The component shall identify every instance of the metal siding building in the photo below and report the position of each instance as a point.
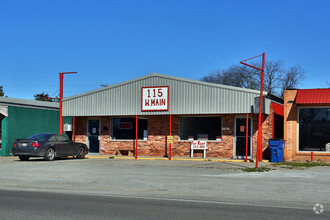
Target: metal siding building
(106, 117)
(185, 97)
(21, 118)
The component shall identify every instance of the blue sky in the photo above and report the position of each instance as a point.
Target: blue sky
(108, 42)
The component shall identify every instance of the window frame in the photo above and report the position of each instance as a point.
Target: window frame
(201, 116)
(111, 127)
(298, 129)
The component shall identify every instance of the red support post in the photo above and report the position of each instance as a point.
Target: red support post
(170, 157)
(136, 137)
(73, 129)
(259, 146)
(259, 143)
(312, 156)
(61, 97)
(273, 125)
(247, 137)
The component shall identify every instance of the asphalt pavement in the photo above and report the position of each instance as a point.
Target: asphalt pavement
(163, 181)
(36, 205)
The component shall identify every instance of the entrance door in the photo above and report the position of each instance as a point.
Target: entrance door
(240, 138)
(93, 135)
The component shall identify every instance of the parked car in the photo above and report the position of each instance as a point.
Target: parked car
(48, 146)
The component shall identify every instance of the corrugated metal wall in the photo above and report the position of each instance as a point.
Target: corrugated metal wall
(185, 97)
(24, 122)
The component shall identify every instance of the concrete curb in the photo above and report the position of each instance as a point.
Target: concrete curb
(160, 158)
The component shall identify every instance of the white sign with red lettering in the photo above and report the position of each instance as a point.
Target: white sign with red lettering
(154, 98)
(198, 145)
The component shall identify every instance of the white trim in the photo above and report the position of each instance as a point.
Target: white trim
(4, 110)
(298, 108)
(251, 140)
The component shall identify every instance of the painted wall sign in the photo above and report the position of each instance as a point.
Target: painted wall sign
(125, 125)
(154, 98)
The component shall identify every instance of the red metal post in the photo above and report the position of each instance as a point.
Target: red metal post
(136, 137)
(312, 156)
(273, 126)
(61, 97)
(259, 146)
(170, 134)
(259, 143)
(73, 129)
(247, 137)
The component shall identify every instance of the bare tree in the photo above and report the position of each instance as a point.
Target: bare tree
(276, 77)
(45, 97)
(292, 77)
(328, 83)
(2, 93)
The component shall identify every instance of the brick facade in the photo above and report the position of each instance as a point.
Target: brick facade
(158, 129)
(291, 131)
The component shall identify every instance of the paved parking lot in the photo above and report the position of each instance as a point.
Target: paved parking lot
(200, 180)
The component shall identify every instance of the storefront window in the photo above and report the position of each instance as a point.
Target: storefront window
(200, 128)
(124, 128)
(314, 129)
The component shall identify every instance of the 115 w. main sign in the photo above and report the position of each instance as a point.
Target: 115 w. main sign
(154, 98)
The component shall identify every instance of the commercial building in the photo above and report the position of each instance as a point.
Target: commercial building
(152, 107)
(307, 124)
(21, 118)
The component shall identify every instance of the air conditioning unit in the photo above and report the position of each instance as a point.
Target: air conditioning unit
(67, 127)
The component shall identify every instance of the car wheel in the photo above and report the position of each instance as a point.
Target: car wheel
(50, 154)
(24, 158)
(81, 153)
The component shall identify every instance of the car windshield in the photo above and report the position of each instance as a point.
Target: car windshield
(40, 137)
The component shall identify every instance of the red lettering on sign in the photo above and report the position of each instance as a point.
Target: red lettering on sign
(154, 98)
(125, 125)
(146, 102)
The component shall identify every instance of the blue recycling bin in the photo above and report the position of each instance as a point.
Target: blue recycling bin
(276, 150)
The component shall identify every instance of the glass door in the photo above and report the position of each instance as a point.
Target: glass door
(93, 136)
(240, 138)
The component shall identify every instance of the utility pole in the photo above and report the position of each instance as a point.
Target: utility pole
(61, 97)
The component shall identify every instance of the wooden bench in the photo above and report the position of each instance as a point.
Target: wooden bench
(126, 152)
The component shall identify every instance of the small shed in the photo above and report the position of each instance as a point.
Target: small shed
(21, 118)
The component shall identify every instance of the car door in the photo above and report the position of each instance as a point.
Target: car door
(65, 146)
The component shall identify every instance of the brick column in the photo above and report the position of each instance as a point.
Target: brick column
(290, 124)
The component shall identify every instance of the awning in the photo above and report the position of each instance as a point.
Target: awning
(313, 96)
(277, 108)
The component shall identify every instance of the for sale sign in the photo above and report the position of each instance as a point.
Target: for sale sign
(154, 98)
(198, 145)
